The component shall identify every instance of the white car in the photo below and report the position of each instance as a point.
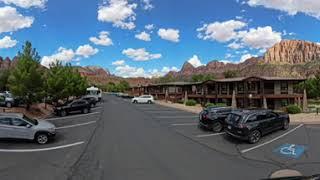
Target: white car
(143, 99)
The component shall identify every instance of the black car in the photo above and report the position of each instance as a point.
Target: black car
(91, 100)
(250, 125)
(82, 106)
(213, 118)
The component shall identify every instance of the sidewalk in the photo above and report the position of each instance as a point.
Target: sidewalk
(303, 118)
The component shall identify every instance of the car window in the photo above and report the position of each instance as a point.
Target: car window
(261, 117)
(5, 121)
(18, 122)
(2, 98)
(252, 118)
(270, 115)
(234, 118)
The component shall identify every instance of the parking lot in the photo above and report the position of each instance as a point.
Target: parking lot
(54, 158)
(295, 148)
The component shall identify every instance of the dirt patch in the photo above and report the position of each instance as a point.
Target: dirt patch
(39, 111)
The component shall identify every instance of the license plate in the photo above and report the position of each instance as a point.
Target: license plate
(229, 127)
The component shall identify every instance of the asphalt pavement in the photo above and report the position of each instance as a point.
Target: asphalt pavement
(119, 140)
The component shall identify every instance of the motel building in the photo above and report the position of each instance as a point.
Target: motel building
(240, 92)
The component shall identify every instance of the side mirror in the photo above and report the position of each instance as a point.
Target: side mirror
(28, 126)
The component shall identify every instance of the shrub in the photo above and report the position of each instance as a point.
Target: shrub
(180, 101)
(215, 105)
(191, 102)
(293, 109)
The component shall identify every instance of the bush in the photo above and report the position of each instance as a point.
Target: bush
(215, 105)
(293, 109)
(180, 101)
(191, 102)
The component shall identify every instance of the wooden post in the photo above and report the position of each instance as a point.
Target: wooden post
(234, 100)
(305, 101)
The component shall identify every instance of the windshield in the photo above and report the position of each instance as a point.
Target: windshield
(233, 118)
(30, 120)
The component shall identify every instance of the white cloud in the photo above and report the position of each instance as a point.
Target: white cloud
(169, 34)
(129, 71)
(64, 55)
(228, 55)
(260, 38)
(118, 63)
(147, 5)
(235, 45)
(220, 31)
(86, 51)
(26, 3)
(149, 26)
(118, 12)
(168, 69)
(7, 42)
(11, 20)
(247, 56)
(140, 54)
(292, 7)
(103, 39)
(195, 61)
(143, 36)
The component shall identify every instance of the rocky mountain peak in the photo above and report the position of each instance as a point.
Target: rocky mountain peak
(293, 52)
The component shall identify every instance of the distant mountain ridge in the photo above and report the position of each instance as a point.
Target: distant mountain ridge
(286, 58)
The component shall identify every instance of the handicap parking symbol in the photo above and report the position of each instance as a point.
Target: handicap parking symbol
(290, 150)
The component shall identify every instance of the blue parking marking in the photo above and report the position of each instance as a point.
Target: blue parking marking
(290, 150)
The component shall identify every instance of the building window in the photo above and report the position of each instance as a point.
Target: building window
(240, 87)
(252, 86)
(284, 88)
(223, 89)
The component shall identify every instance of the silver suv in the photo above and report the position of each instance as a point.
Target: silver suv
(19, 126)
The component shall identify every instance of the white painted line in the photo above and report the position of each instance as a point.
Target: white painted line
(157, 111)
(76, 125)
(43, 149)
(185, 124)
(208, 135)
(68, 117)
(175, 117)
(268, 142)
(99, 107)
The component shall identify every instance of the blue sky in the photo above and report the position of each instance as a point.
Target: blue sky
(113, 34)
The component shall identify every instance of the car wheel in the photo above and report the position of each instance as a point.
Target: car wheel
(8, 105)
(217, 127)
(42, 138)
(63, 113)
(149, 102)
(85, 111)
(285, 125)
(135, 102)
(254, 137)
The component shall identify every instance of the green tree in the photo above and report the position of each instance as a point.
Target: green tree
(230, 74)
(202, 77)
(123, 86)
(312, 86)
(4, 77)
(26, 80)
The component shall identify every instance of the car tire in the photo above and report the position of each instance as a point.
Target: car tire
(8, 104)
(42, 138)
(135, 102)
(63, 113)
(254, 136)
(217, 127)
(285, 125)
(85, 111)
(149, 102)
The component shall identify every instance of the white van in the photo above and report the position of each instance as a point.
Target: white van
(94, 92)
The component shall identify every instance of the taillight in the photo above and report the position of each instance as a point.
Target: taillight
(242, 125)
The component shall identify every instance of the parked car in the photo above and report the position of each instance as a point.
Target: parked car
(251, 125)
(6, 100)
(213, 118)
(143, 99)
(91, 100)
(82, 106)
(19, 126)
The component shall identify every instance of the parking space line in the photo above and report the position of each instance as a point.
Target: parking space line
(270, 141)
(43, 149)
(208, 135)
(76, 125)
(99, 107)
(68, 117)
(175, 117)
(185, 124)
